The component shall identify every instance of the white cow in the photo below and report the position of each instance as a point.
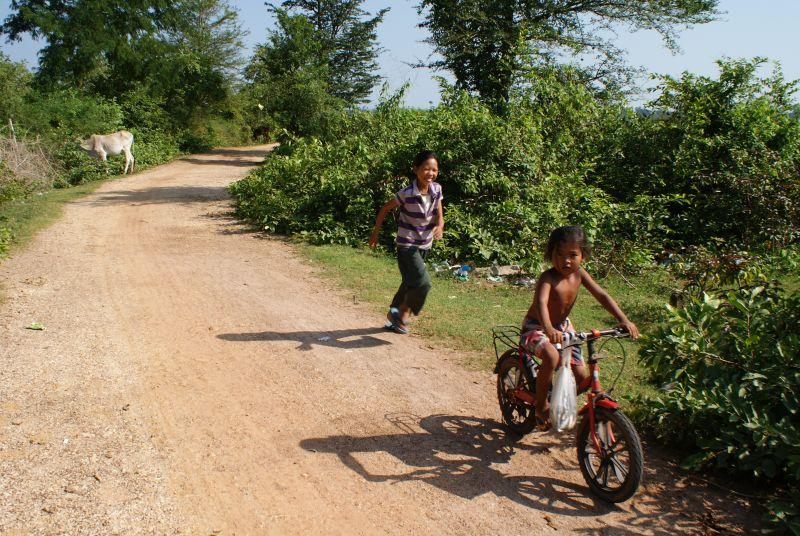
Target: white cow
(101, 145)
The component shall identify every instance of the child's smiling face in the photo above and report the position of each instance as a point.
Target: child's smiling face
(567, 258)
(426, 172)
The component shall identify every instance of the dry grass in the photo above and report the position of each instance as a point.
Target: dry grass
(24, 163)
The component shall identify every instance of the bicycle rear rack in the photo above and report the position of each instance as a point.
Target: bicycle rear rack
(507, 336)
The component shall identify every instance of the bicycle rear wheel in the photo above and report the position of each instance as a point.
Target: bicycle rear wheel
(518, 416)
(615, 471)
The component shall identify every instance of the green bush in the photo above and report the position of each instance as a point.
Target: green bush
(731, 368)
(728, 147)
(71, 115)
(508, 180)
(15, 83)
(6, 238)
(152, 147)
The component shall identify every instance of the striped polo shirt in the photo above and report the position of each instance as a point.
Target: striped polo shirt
(416, 222)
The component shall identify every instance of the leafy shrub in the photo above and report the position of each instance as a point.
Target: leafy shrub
(729, 147)
(14, 86)
(152, 147)
(6, 238)
(143, 111)
(69, 114)
(508, 180)
(731, 366)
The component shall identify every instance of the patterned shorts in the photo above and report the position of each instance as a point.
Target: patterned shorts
(534, 339)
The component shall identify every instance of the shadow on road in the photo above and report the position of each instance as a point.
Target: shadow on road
(240, 152)
(237, 162)
(161, 194)
(349, 339)
(464, 456)
(458, 454)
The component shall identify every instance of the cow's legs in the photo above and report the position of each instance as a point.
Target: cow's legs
(104, 158)
(128, 160)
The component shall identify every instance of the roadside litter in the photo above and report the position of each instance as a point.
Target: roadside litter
(511, 273)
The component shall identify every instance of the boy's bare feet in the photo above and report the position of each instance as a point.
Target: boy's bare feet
(543, 423)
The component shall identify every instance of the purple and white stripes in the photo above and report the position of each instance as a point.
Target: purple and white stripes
(417, 221)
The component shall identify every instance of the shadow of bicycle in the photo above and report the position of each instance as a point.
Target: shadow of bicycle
(469, 457)
(459, 455)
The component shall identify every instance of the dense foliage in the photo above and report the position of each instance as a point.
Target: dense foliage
(347, 44)
(730, 363)
(499, 174)
(289, 83)
(729, 146)
(179, 56)
(319, 60)
(640, 183)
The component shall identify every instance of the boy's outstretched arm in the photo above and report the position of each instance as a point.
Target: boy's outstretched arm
(439, 231)
(390, 205)
(608, 303)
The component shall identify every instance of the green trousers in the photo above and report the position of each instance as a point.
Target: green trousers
(416, 281)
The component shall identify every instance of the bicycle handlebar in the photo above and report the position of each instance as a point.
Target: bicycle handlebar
(575, 339)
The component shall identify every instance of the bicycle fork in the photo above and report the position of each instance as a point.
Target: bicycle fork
(596, 398)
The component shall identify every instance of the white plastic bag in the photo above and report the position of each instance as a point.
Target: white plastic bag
(563, 400)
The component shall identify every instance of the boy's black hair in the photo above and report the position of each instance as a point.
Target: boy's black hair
(423, 156)
(567, 233)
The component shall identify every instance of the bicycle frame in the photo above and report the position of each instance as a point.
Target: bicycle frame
(610, 453)
(595, 396)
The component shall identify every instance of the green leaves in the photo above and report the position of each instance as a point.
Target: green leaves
(734, 398)
(493, 47)
(505, 186)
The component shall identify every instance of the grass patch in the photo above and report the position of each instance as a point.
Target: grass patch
(24, 217)
(460, 315)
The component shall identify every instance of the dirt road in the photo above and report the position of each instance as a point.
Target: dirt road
(194, 377)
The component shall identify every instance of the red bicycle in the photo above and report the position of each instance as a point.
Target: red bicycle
(609, 450)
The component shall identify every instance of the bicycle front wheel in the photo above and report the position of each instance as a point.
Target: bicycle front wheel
(613, 472)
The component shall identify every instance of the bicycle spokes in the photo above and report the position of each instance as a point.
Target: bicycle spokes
(610, 465)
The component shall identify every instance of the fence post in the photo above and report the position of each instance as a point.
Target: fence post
(13, 134)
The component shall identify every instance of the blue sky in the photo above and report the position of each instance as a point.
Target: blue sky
(747, 29)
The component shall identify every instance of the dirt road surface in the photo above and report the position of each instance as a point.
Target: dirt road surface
(194, 377)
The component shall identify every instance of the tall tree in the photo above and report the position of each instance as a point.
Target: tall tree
(292, 46)
(347, 35)
(290, 79)
(180, 54)
(489, 45)
(210, 31)
(89, 42)
(205, 41)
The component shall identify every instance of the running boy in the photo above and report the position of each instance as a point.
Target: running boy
(548, 316)
(421, 221)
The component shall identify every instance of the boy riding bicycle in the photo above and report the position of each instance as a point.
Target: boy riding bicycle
(548, 316)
